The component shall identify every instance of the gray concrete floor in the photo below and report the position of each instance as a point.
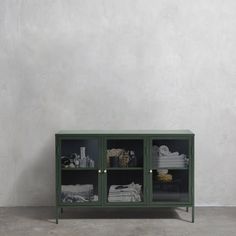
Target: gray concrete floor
(24, 221)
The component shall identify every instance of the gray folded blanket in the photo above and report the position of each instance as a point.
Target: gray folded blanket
(77, 193)
(125, 193)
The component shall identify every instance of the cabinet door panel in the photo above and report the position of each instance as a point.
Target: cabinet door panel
(170, 164)
(79, 171)
(124, 163)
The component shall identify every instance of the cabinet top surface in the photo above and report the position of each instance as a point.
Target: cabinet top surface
(125, 132)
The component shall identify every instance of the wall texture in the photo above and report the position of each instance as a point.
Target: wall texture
(108, 64)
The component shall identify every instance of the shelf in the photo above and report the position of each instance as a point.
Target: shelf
(86, 168)
(171, 168)
(110, 168)
(175, 181)
(125, 168)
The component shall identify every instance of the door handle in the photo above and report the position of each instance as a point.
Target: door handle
(105, 171)
(150, 171)
(99, 171)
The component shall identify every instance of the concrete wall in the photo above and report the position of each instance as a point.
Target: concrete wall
(126, 64)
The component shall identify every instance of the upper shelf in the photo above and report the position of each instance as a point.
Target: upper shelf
(85, 168)
(125, 132)
(125, 168)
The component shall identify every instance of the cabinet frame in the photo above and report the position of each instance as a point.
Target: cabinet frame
(103, 136)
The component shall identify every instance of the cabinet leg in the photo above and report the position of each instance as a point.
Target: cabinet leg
(57, 215)
(193, 214)
(186, 209)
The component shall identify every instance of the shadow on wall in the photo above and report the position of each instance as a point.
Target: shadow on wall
(35, 181)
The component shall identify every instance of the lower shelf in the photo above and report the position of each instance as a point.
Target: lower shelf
(79, 187)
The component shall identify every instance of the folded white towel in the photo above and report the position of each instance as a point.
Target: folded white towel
(128, 187)
(172, 157)
(125, 199)
(125, 193)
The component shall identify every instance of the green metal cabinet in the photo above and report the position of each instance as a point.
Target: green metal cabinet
(98, 176)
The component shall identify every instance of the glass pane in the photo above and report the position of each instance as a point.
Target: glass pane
(79, 176)
(123, 153)
(170, 163)
(125, 186)
(172, 186)
(79, 153)
(79, 186)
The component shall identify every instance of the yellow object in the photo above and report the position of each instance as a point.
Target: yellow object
(164, 178)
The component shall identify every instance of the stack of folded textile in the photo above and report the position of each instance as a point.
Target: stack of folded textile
(171, 162)
(77, 193)
(163, 158)
(125, 193)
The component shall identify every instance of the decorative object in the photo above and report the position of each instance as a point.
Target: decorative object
(82, 152)
(114, 161)
(65, 161)
(73, 155)
(132, 159)
(72, 165)
(83, 162)
(91, 163)
(121, 158)
(77, 161)
(166, 178)
(114, 152)
(124, 159)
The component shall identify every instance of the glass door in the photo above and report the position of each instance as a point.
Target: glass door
(79, 164)
(169, 170)
(124, 170)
